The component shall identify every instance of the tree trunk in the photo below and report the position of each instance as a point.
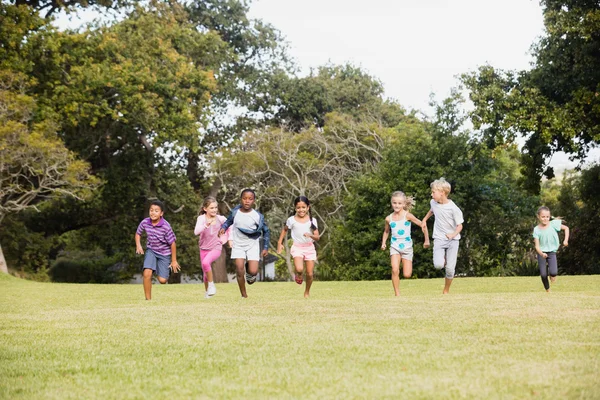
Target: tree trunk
(220, 268)
(3, 266)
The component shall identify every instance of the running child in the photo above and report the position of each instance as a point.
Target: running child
(304, 232)
(248, 225)
(446, 229)
(401, 244)
(210, 243)
(545, 237)
(161, 252)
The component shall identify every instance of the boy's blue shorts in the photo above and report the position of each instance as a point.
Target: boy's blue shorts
(157, 263)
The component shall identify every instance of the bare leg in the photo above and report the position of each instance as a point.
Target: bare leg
(310, 267)
(299, 267)
(147, 279)
(407, 268)
(447, 284)
(396, 273)
(241, 275)
(253, 267)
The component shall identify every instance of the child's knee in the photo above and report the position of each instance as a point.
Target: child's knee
(162, 280)
(438, 264)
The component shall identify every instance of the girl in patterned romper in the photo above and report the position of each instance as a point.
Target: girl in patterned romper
(401, 246)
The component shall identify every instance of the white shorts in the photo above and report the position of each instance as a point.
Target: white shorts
(407, 253)
(251, 254)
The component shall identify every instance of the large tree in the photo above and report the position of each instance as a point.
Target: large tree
(555, 106)
(35, 166)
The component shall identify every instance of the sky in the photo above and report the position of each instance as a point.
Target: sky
(414, 48)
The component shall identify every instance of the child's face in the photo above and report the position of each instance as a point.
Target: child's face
(438, 195)
(301, 209)
(397, 203)
(155, 213)
(212, 209)
(544, 217)
(247, 201)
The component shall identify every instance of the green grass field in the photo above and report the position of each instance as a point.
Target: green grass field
(493, 338)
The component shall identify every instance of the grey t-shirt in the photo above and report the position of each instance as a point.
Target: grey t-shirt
(250, 221)
(447, 217)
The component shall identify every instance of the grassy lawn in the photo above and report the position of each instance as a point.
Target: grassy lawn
(503, 338)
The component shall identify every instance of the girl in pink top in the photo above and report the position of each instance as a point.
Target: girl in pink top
(207, 227)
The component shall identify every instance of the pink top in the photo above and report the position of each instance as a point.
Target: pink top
(209, 238)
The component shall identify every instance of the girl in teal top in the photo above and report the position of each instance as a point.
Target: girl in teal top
(546, 240)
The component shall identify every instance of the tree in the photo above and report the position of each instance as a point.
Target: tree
(35, 166)
(282, 165)
(50, 7)
(484, 185)
(556, 105)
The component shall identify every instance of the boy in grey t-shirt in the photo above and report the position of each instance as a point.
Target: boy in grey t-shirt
(446, 229)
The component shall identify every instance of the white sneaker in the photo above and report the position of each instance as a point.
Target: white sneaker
(206, 296)
(212, 290)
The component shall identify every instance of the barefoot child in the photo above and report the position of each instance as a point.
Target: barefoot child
(446, 229)
(304, 233)
(161, 252)
(207, 228)
(401, 246)
(247, 226)
(545, 237)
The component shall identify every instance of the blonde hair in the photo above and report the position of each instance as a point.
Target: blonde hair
(409, 201)
(207, 202)
(441, 184)
(542, 208)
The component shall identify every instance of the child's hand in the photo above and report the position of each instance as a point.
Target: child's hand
(139, 250)
(383, 246)
(230, 243)
(426, 244)
(264, 253)
(544, 255)
(279, 248)
(175, 266)
(221, 232)
(566, 243)
(307, 234)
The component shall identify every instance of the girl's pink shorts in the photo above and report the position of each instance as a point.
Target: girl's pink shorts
(305, 250)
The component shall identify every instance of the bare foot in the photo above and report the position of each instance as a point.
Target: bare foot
(552, 279)
(306, 295)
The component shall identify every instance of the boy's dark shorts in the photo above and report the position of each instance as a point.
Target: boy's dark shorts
(157, 263)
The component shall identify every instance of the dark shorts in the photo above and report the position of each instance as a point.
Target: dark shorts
(157, 263)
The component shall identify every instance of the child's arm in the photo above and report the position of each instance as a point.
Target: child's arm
(386, 233)
(537, 248)
(314, 235)
(416, 220)
(200, 225)
(281, 237)
(174, 264)
(425, 218)
(458, 230)
(266, 239)
(138, 245)
(226, 224)
(566, 229)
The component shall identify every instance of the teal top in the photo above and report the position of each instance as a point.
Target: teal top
(549, 241)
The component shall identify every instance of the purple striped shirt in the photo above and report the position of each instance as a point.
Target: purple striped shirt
(160, 236)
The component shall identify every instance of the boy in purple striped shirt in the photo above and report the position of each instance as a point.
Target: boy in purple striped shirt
(161, 252)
